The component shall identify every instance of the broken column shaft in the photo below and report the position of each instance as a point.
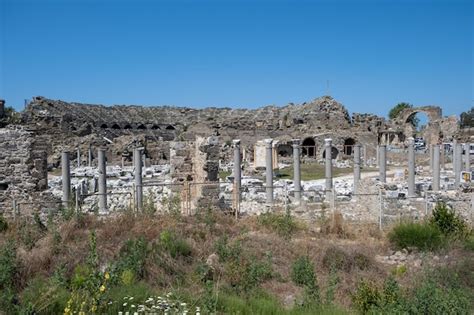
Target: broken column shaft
(356, 168)
(383, 163)
(237, 175)
(457, 164)
(467, 161)
(66, 179)
(297, 170)
(328, 163)
(436, 167)
(411, 167)
(102, 181)
(137, 153)
(269, 170)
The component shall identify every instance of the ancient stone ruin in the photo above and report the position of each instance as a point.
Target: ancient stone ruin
(185, 158)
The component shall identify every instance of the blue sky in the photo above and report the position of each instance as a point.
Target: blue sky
(239, 53)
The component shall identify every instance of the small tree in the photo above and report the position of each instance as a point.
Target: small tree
(467, 118)
(397, 109)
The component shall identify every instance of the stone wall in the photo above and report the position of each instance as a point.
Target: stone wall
(23, 169)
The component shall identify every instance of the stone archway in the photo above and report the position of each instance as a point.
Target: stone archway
(308, 147)
(432, 130)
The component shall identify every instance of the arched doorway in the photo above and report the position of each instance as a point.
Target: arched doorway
(334, 153)
(285, 150)
(308, 147)
(349, 146)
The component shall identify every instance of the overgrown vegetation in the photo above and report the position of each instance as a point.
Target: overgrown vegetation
(212, 264)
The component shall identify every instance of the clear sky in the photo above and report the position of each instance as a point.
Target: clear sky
(239, 53)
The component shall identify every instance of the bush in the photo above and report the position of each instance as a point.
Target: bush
(448, 222)
(423, 236)
(174, 245)
(283, 224)
(367, 296)
(302, 272)
(42, 296)
(3, 224)
(131, 259)
(226, 251)
(7, 277)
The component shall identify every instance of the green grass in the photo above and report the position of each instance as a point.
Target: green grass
(424, 236)
(311, 171)
(224, 174)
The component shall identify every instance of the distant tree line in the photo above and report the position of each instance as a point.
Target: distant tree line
(467, 118)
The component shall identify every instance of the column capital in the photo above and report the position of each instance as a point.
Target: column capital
(296, 142)
(268, 142)
(328, 142)
(236, 142)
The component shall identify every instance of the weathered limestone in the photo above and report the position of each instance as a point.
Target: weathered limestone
(457, 164)
(78, 157)
(411, 167)
(297, 170)
(237, 176)
(137, 153)
(431, 157)
(356, 168)
(66, 179)
(383, 163)
(102, 181)
(436, 167)
(328, 163)
(467, 157)
(269, 170)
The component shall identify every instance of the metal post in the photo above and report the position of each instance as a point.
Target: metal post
(102, 181)
(66, 179)
(89, 160)
(297, 170)
(411, 167)
(436, 168)
(457, 164)
(356, 168)
(328, 163)
(138, 178)
(467, 161)
(269, 170)
(383, 163)
(237, 177)
(78, 157)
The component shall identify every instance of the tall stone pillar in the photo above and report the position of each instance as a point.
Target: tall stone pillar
(66, 179)
(431, 157)
(366, 164)
(89, 158)
(467, 157)
(356, 168)
(442, 157)
(78, 157)
(102, 181)
(269, 169)
(411, 167)
(328, 163)
(237, 175)
(138, 178)
(436, 168)
(457, 164)
(297, 170)
(383, 163)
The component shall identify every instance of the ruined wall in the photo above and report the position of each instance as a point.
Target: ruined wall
(23, 168)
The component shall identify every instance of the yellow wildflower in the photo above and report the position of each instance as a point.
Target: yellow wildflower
(107, 276)
(102, 288)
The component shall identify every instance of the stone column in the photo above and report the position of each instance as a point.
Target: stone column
(237, 175)
(356, 168)
(436, 168)
(328, 163)
(89, 160)
(457, 164)
(411, 167)
(269, 170)
(138, 179)
(467, 156)
(377, 155)
(365, 156)
(431, 157)
(454, 153)
(78, 157)
(66, 179)
(297, 170)
(442, 157)
(383, 163)
(102, 182)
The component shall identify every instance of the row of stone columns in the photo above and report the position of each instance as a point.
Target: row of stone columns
(89, 157)
(102, 182)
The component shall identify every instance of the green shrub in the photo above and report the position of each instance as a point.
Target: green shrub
(283, 224)
(423, 236)
(174, 245)
(302, 272)
(366, 296)
(448, 222)
(7, 277)
(3, 224)
(131, 258)
(469, 242)
(226, 251)
(43, 296)
(255, 273)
